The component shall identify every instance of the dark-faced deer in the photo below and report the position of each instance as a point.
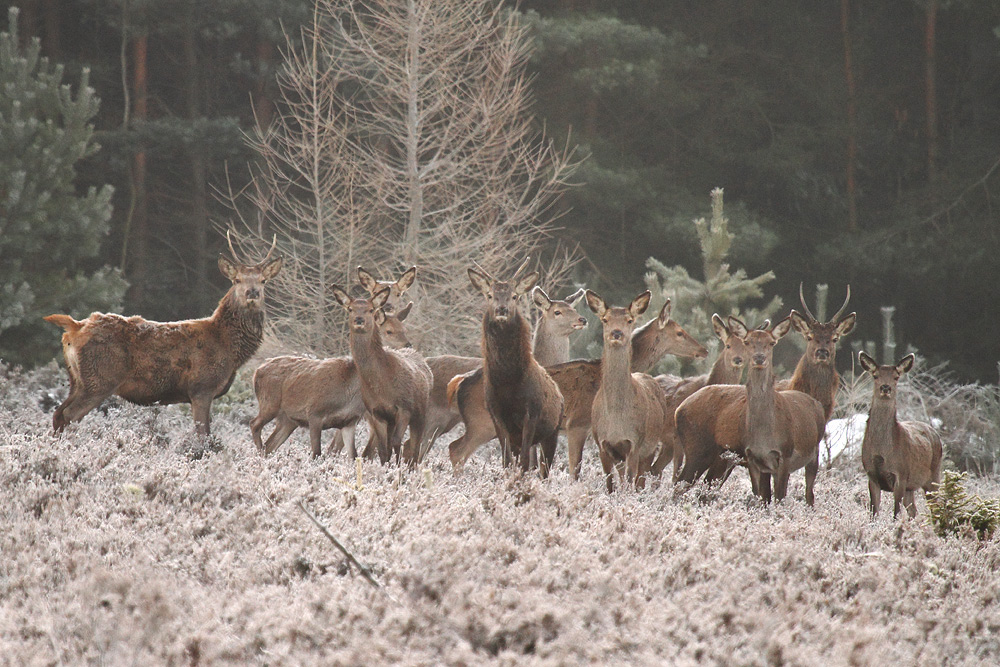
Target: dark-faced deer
(557, 320)
(727, 369)
(192, 361)
(315, 393)
(522, 399)
(777, 432)
(816, 373)
(897, 456)
(395, 384)
(629, 409)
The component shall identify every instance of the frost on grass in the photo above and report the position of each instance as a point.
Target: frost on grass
(120, 547)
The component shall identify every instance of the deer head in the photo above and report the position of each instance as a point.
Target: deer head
(886, 377)
(560, 314)
(821, 337)
(618, 322)
(735, 350)
(363, 315)
(760, 343)
(392, 330)
(396, 288)
(249, 279)
(502, 297)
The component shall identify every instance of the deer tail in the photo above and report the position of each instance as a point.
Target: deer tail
(453, 386)
(64, 321)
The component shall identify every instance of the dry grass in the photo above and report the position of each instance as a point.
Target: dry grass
(124, 543)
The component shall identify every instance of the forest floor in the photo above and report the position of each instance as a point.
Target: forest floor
(126, 541)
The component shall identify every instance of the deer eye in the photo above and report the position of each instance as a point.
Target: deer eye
(558, 312)
(680, 335)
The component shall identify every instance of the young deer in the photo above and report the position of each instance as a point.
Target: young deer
(897, 456)
(816, 373)
(777, 432)
(192, 361)
(523, 400)
(315, 393)
(727, 369)
(629, 410)
(395, 384)
(558, 319)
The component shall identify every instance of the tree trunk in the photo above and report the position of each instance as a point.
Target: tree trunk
(263, 104)
(50, 45)
(931, 89)
(412, 236)
(852, 118)
(136, 251)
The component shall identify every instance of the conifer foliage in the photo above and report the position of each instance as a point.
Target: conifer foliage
(49, 232)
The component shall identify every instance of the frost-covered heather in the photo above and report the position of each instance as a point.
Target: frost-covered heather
(125, 541)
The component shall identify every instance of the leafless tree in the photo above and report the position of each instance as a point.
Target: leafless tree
(404, 136)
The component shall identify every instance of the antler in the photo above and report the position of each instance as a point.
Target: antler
(267, 258)
(232, 251)
(482, 270)
(524, 265)
(802, 300)
(840, 312)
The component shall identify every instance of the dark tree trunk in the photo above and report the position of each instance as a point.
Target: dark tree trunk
(930, 92)
(136, 251)
(852, 118)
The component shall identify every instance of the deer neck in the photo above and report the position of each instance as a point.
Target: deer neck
(368, 352)
(243, 326)
(506, 347)
(548, 345)
(645, 351)
(814, 379)
(616, 375)
(882, 424)
(723, 372)
(760, 421)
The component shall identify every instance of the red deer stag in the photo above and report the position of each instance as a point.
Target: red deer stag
(777, 432)
(629, 409)
(395, 384)
(816, 373)
(578, 381)
(192, 361)
(550, 345)
(523, 400)
(727, 369)
(897, 456)
(315, 393)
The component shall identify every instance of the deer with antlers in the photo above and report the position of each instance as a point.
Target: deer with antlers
(524, 402)
(145, 362)
(897, 456)
(777, 432)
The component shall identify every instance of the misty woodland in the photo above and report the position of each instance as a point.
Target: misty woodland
(416, 430)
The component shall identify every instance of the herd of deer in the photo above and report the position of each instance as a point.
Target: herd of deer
(524, 389)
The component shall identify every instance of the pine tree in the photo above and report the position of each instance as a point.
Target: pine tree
(49, 232)
(721, 291)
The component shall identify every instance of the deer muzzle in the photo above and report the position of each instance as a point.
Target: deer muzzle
(759, 360)
(616, 335)
(822, 355)
(501, 312)
(581, 323)
(885, 390)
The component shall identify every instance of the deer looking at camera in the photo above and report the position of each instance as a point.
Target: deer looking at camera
(897, 456)
(395, 384)
(777, 432)
(192, 361)
(315, 393)
(522, 399)
(629, 409)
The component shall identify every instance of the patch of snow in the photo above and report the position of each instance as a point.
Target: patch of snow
(843, 438)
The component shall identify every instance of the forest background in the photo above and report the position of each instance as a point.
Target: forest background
(856, 144)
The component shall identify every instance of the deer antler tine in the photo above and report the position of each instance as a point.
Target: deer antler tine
(524, 265)
(802, 300)
(844, 307)
(229, 240)
(274, 242)
(481, 269)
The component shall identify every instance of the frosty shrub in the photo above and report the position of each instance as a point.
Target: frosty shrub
(954, 512)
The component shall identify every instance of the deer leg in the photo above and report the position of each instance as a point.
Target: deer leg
(527, 440)
(347, 435)
(549, 452)
(911, 506)
(411, 453)
(632, 464)
(201, 409)
(763, 482)
(608, 463)
(781, 482)
(336, 442)
(315, 434)
(875, 495)
(576, 436)
(281, 431)
(664, 456)
(479, 430)
(811, 469)
(257, 424)
(897, 496)
(80, 402)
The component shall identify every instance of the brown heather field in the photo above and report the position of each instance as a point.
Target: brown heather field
(126, 542)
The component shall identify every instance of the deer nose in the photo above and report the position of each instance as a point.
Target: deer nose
(253, 293)
(822, 354)
(617, 334)
(501, 311)
(737, 361)
(581, 322)
(759, 359)
(885, 389)
(359, 321)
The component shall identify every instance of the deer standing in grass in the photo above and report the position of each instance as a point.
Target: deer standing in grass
(550, 344)
(578, 381)
(395, 384)
(897, 456)
(777, 432)
(145, 362)
(315, 393)
(629, 410)
(522, 399)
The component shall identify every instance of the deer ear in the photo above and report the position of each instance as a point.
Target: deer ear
(736, 327)
(846, 325)
(721, 330)
(640, 304)
(271, 269)
(540, 298)
(525, 284)
(575, 297)
(480, 281)
(380, 297)
(596, 303)
(905, 364)
(867, 362)
(664, 316)
(402, 314)
(379, 317)
(341, 295)
(228, 268)
(367, 280)
(800, 323)
(781, 328)
(406, 280)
